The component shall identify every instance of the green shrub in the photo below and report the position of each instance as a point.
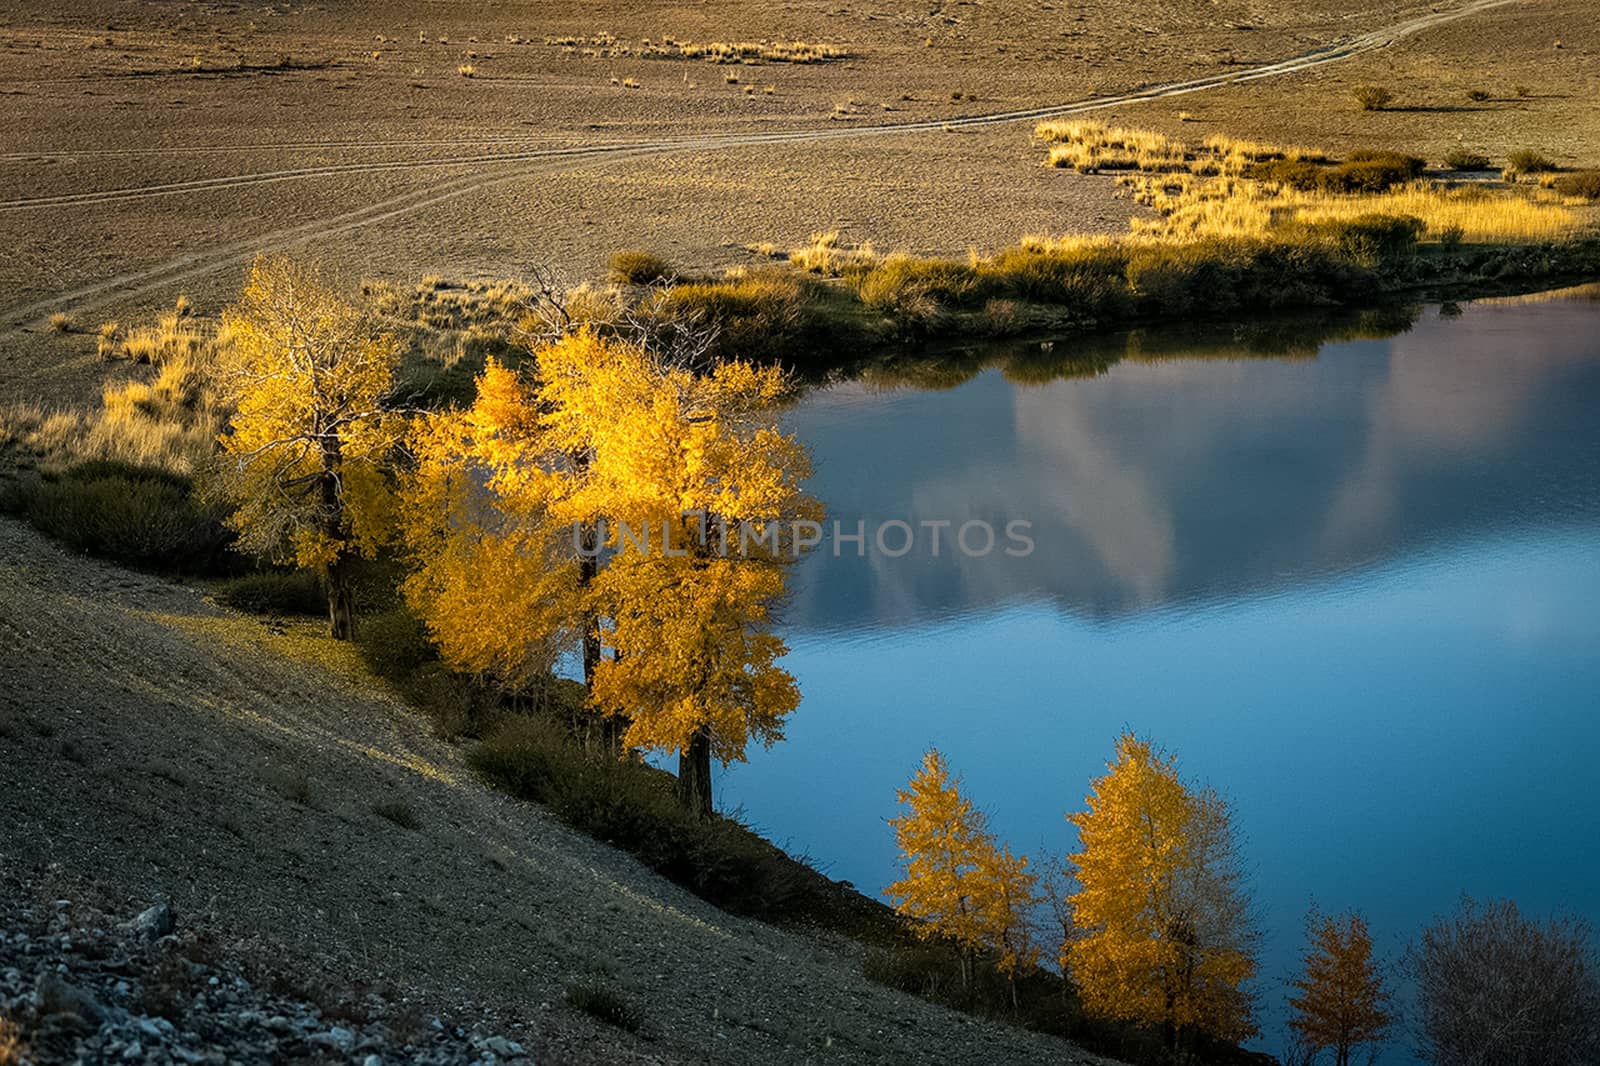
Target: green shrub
(1461, 159)
(1366, 171)
(297, 592)
(137, 515)
(1188, 279)
(394, 643)
(635, 807)
(603, 1004)
(1527, 161)
(633, 267)
(1373, 97)
(1370, 241)
(1580, 183)
(1295, 173)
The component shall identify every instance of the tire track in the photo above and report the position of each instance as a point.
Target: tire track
(523, 164)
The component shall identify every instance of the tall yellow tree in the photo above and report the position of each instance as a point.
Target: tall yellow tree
(1342, 1003)
(943, 845)
(1163, 927)
(959, 883)
(699, 497)
(616, 498)
(310, 376)
(496, 578)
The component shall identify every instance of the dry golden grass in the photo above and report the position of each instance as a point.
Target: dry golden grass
(61, 322)
(175, 335)
(1200, 192)
(824, 255)
(171, 421)
(1190, 207)
(1089, 147)
(607, 46)
(32, 436)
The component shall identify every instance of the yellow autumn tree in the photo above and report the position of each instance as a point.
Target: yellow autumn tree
(697, 494)
(943, 843)
(496, 577)
(1342, 1003)
(1007, 900)
(310, 377)
(958, 883)
(614, 500)
(1163, 929)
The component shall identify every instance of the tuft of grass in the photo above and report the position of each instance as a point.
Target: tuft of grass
(106, 341)
(467, 70)
(399, 812)
(754, 313)
(1462, 159)
(1528, 161)
(394, 644)
(1582, 184)
(61, 322)
(1477, 96)
(1373, 97)
(635, 267)
(603, 1004)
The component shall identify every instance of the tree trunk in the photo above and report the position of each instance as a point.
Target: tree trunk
(341, 601)
(694, 774)
(588, 568)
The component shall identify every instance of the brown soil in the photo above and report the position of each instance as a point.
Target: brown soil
(274, 123)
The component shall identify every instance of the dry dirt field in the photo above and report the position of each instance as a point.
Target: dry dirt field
(152, 148)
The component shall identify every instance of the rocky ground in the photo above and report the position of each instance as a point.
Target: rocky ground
(80, 985)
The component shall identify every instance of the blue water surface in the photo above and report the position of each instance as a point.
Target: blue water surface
(1353, 583)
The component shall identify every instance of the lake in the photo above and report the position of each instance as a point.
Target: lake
(1347, 571)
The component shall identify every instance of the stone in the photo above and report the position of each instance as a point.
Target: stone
(154, 923)
(55, 996)
(338, 1038)
(506, 1049)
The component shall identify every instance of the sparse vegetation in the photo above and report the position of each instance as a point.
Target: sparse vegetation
(292, 783)
(1373, 97)
(399, 813)
(1477, 96)
(137, 515)
(607, 46)
(1462, 159)
(1528, 161)
(602, 1003)
(633, 267)
(467, 70)
(275, 592)
(61, 322)
(1582, 184)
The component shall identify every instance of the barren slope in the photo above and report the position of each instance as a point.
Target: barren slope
(153, 741)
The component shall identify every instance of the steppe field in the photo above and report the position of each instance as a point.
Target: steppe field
(152, 149)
